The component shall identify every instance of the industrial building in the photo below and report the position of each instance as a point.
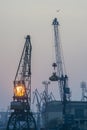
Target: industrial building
(4, 116)
(76, 113)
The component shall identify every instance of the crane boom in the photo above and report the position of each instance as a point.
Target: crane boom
(58, 54)
(60, 76)
(58, 48)
(24, 68)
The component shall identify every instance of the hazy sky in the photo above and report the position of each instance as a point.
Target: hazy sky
(34, 17)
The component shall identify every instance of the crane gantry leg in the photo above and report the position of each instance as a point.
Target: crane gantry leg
(21, 121)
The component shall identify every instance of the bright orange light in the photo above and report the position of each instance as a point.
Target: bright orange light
(19, 90)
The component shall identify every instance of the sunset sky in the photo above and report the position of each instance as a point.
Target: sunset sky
(19, 18)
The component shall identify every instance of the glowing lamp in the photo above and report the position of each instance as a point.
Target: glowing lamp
(19, 90)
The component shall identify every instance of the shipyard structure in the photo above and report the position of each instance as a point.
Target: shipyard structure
(50, 114)
(64, 114)
(75, 118)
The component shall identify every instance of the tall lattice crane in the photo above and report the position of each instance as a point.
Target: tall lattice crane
(60, 76)
(23, 74)
(22, 118)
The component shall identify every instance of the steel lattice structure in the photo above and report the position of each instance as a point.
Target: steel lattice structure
(22, 118)
(60, 75)
(24, 68)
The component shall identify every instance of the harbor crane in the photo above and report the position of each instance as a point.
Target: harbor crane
(60, 76)
(22, 117)
(37, 96)
(41, 100)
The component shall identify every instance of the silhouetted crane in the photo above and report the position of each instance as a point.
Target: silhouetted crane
(22, 118)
